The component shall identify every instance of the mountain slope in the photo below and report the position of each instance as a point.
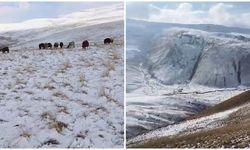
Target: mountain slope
(228, 127)
(176, 70)
(179, 54)
(76, 27)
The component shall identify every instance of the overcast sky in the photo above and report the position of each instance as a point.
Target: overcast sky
(229, 14)
(13, 12)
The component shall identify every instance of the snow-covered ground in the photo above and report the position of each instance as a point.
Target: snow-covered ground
(177, 70)
(64, 97)
(190, 126)
(149, 111)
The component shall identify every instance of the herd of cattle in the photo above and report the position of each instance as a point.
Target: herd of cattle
(85, 45)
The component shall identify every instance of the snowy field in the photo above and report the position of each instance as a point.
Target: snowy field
(63, 98)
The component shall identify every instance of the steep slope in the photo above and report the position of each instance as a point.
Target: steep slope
(224, 127)
(203, 58)
(208, 55)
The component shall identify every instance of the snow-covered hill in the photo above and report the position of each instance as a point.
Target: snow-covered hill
(224, 125)
(67, 98)
(176, 70)
(208, 55)
(84, 18)
(72, 27)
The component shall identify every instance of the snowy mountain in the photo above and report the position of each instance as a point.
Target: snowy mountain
(63, 98)
(72, 27)
(175, 71)
(209, 55)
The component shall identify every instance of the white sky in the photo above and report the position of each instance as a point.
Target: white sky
(229, 14)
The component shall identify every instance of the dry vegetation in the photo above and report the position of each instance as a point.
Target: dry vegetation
(225, 105)
(231, 136)
(53, 122)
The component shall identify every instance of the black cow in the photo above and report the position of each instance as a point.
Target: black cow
(49, 45)
(5, 49)
(85, 44)
(56, 45)
(61, 44)
(108, 40)
(41, 46)
(46, 45)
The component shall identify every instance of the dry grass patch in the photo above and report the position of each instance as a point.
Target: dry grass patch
(25, 134)
(20, 82)
(47, 116)
(98, 109)
(51, 142)
(82, 135)
(105, 92)
(62, 109)
(58, 125)
(49, 86)
(60, 95)
(109, 67)
(225, 105)
(64, 67)
(220, 137)
(29, 92)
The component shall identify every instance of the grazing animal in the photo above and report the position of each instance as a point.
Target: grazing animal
(85, 44)
(56, 45)
(5, 49)
(41, 46)
(61, 44)
(71, 45)
(108, 40)
(49, 45)
(46, 45)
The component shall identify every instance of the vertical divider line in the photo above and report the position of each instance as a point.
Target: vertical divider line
(125, 46)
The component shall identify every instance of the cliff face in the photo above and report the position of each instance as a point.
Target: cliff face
(200, 57)
(178, 54)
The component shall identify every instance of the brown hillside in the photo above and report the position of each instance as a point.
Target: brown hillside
(225, 105)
